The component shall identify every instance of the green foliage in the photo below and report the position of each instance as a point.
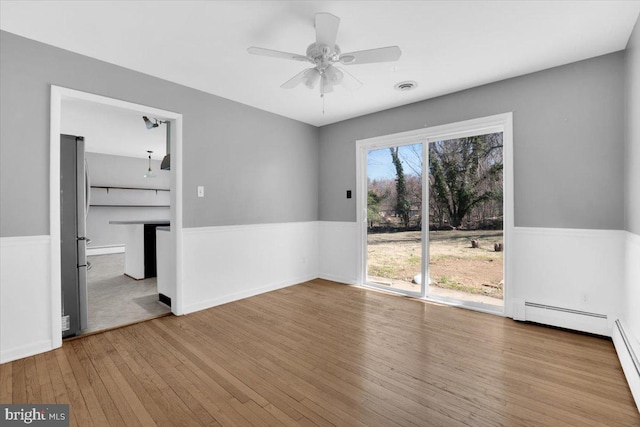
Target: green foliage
(373, 207)
(403, 205)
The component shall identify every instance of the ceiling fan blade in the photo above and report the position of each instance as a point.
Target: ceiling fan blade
(305, 76)
(327, 29)
(294, 81)
(276, 54)
(348, 80)
(382, 54)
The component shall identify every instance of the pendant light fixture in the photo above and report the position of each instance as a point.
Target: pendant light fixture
(166, 161)
(150, 173)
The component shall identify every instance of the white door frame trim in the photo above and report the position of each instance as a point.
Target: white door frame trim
(496, 123)
(57, 95)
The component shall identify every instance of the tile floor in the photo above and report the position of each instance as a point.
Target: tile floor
(116, 299)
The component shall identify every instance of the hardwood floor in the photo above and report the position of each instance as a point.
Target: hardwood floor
(321, 353)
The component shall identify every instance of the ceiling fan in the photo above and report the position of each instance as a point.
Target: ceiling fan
(325, 54)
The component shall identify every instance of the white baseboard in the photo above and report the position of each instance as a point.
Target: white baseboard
(246, 293)
(105, 250)
(26, 350)
(628, 350)
(338, 279)
(25, 296)
(223, 264)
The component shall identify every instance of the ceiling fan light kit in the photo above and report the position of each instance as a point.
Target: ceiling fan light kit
(325, 55)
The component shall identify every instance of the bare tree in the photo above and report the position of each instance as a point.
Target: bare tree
(466, 173)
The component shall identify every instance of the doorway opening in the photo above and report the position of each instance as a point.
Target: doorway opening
(122, 188)
(438, 204)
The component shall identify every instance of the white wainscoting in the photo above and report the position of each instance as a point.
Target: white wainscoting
(338, 251)
(223, 264)
(630, 322)
(632, 285)
(577, 273)
(25, 297)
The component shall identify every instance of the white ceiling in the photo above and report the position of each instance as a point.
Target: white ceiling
(446, 46)
(112, 130)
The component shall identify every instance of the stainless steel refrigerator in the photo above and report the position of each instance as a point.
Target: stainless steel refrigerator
(74, 206)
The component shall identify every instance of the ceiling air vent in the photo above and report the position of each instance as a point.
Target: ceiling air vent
(405, 86)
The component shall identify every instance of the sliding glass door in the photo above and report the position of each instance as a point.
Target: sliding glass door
(395, 240)
(432, 213)
(466, 219)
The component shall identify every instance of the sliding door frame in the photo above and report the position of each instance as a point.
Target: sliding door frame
(362, 190)
(496, 123)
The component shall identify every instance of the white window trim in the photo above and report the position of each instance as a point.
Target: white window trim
(496, 123)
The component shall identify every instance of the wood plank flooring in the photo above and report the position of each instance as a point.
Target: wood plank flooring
(327, 354)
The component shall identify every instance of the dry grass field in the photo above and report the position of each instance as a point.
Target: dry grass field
(453, 263)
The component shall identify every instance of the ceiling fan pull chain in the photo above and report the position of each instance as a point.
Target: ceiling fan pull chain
(322, 96)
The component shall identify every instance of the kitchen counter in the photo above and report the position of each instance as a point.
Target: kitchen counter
(140, 247)
(141, 221)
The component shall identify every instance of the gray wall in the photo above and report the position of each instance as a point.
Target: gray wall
(568, 143)
(257, 167)
(632, 134)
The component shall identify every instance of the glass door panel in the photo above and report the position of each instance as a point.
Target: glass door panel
(466, 219)
(394, 250)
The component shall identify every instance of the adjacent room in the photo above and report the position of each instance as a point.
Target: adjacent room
(320, 213)
(126, 198)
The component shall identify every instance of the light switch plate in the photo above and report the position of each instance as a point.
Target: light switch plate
(200, 191)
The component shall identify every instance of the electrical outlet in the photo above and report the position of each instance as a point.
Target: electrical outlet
(200, 191)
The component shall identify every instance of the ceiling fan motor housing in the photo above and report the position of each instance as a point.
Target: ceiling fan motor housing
(322, 55)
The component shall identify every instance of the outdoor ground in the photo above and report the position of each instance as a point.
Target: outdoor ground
(454, 264)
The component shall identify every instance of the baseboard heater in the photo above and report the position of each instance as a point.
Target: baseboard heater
(629, 347)
(565, 310)
(628, 359)
(579, 320)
